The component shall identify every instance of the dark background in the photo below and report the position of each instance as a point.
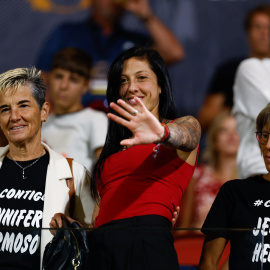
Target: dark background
(211, 32)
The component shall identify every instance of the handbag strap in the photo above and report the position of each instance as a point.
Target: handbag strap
(70, 185)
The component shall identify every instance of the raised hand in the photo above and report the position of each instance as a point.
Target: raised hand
(145, 127)
(140, 8)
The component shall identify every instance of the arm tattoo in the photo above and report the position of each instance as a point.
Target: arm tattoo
(185, 133)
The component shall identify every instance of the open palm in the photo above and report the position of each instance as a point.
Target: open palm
(144, 126)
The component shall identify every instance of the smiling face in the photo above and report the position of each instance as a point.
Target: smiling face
(21, 117)
(139, 80)
(66, 90)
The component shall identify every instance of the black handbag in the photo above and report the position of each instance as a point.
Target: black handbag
(68, 249)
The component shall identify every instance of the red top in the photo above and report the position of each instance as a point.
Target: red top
(134, 183)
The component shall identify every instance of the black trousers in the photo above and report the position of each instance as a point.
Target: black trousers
(137, 243)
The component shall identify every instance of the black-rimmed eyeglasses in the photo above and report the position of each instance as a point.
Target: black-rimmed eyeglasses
(262, 136)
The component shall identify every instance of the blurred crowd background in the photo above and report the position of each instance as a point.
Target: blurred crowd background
(211, 32)
(214, 39)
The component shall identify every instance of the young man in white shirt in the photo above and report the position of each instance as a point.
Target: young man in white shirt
(72, 130)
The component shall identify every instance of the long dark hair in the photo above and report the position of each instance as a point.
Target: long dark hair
(116, 132)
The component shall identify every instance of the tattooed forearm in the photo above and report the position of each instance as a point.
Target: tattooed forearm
(185, 133)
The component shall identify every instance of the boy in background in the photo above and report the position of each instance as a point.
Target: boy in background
(72, 130)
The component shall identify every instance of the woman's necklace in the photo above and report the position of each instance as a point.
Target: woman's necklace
(24, 168)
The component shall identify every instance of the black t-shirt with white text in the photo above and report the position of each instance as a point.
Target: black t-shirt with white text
(21, 212)
(243, 205)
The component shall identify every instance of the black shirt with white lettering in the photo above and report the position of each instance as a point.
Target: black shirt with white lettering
(21, 211)
(243, 205)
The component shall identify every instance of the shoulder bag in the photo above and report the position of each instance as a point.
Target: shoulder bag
(68, 249)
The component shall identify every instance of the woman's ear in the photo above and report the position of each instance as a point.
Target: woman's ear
(45, 111)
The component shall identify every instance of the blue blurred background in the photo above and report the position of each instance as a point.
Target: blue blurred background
(211, 32)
